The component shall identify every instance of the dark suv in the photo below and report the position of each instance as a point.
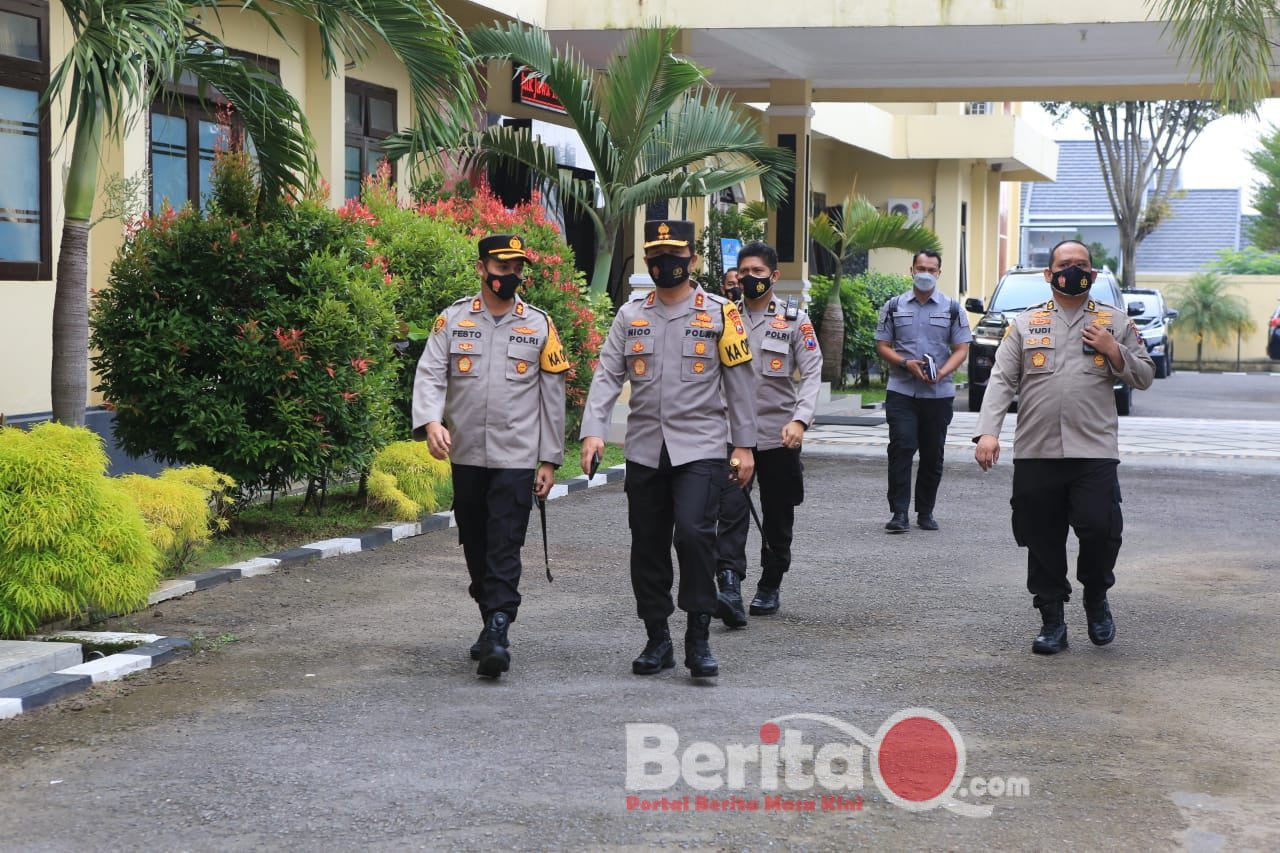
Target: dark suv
(1153, 324)
(1020, 289)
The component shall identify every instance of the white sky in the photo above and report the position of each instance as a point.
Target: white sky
(1219, 159)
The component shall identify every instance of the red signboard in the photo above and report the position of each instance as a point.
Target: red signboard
(534, 91)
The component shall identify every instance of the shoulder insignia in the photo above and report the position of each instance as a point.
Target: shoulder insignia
(519, 309)
(809, 336)
(734, 349)
(1048, 306)
(699, 300)
(1091, 306)
(773, 308)
(648, 300)
(440, 324)
(553, 359)
(476, 304)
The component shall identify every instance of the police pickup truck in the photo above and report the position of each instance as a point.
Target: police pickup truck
(1022, 288)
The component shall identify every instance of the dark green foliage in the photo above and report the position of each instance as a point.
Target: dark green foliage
(1247, 261)
(862, 297)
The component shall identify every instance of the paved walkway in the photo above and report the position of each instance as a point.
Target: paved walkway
(1139, 437)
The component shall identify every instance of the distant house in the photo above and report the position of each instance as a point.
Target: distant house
(1202, 222)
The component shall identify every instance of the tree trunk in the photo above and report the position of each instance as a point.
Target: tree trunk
(1199, 354)
(1128, 257)
(833, 338)
(604, 262)
(69, 371)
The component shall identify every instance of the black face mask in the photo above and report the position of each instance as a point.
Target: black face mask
(504, 286)
(1071, 281)
(733, 292)
(669, 270)
(753, 286)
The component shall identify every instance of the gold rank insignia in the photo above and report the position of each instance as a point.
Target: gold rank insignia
(699, 366)
(640, 367)
(440, 323)
(466, 347)
(475, 304)
(1098, 360)
(776, 364)
(700, 348)
(519, 309)
(524, 330)
(698, 301)
(664, 231)
(703, 317)
(464, 364)
(638, 346)
(648, 300)
(515, 243)
(1037, 359)
(467, 324)
(639, 324)
(522, 367)
(1090, 306)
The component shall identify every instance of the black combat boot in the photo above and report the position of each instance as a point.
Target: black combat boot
(697, 647)
(496, 659)
(658, 653)
(898, 524)
(1102, 628)
(729, 600)
(481, 645)
(1053, 633)
(766, 602)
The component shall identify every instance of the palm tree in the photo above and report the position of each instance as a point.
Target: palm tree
(1227, 41)
(652, 127)
(1207, 310)
(858, 228)
(125, 51)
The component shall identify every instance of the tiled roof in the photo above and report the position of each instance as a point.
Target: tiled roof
(1203, 223)
(1079, 190)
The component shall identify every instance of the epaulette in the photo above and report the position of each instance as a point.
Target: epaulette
(715, 297)
(793, 308)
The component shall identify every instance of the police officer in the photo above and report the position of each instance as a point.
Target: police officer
(1061, 359)
(493, 369)
(685, 353)
(919, 406)
(782, 342)
(730, 288)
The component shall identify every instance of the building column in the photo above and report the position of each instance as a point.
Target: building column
(948, 196)
(325, 103)
(789, 117)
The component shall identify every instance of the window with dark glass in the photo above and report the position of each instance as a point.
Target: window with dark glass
(25, 251)
(188, 126)
(370, 118)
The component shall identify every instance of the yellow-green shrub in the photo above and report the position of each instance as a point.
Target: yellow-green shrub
(70, 538)
(406, 479)
(216, 487)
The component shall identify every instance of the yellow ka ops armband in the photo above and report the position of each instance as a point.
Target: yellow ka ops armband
(734, 349)
(553, 360)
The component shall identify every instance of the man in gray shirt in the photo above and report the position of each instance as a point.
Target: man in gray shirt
(924, 337)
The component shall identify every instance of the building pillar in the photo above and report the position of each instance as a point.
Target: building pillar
(789, 118)
(324, 101)
(948, 195)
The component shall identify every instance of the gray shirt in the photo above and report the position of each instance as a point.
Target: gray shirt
(498, 383)
(779, 348)
(692, 387)
(915, 328)
(1066, 405)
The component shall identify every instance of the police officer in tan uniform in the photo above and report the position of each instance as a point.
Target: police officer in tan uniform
(493, 370)
(1062, 359)
(692, 392)
(782, 342)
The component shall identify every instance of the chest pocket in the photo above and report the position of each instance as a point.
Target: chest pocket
(904, 326)
(639, 358)
(465, 357)
(1095, 363)
(522, 362)
(698, 359)
(775, 357)
(1038, 358)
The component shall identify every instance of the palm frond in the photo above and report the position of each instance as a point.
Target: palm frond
(1227, 42)
(890, 231)
(755, 211)
(693, 184)
(825, 233)
(566, 74)
(272, 117)
(642, 81)
(122, 52)
(509, 146)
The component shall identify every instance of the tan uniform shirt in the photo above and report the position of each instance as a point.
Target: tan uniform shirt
(1066, 405)
(498, 382)
(679, 359)
(779, 347)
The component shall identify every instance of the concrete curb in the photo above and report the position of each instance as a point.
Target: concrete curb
(74, 679)
(365, 540)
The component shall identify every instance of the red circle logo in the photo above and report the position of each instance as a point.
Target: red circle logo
(917, 759)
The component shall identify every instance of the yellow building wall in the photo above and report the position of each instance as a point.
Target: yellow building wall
(1260, 292)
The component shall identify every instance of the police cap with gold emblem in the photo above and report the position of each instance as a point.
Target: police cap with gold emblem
(668, 232)
(503, 247)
